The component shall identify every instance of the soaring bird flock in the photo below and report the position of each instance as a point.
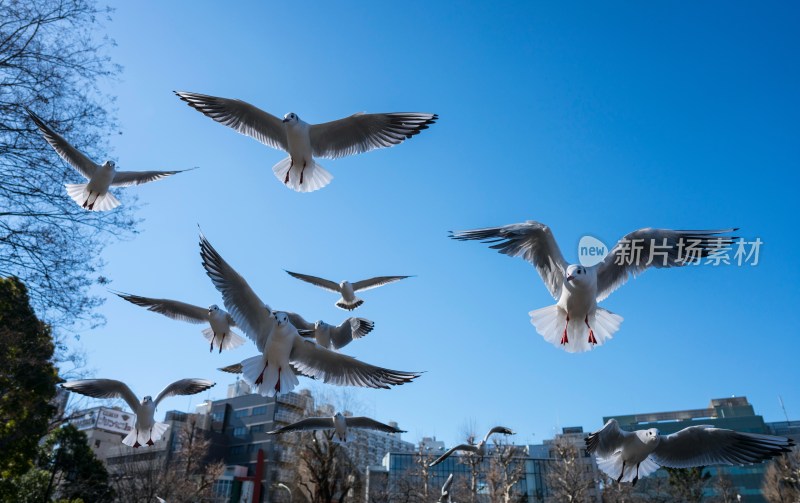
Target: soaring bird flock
(289, 346)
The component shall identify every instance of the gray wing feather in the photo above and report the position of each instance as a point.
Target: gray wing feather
(189, 386)
(605, 441)
(351, 328)
(309, 423)
(367, 284)
(128, 178)
(705, 445)
(322, 283)
(70, 154)
(532, 241)
(371, 424)
(644, 248)
(240, 116)
(299, 322)
(364, 132)
(460, 447)
(342, 370)
(171, 308)
(235, 368)
(497, 429)
(241, 302)
(104, 388)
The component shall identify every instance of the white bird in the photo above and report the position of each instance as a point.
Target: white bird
(220, 322)
(283, 350)
(347, 290)
(147, 430)
(445, 497)
(330, 336)
(478, 449)
(302, 141)
(575, 322)
(625, 456)
(95, 194)
(339, 423)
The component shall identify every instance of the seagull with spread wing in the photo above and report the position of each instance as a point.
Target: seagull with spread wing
(347, 290)
(478, 449)
(330, 336)
(339, 423)
(147, 430)
(302, 141)
(94, 195)
(284, 351)
(575, 322)
(220, 322)
(626, 456)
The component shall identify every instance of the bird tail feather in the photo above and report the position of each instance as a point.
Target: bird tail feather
(314, 176)
(348, 306)
(142, 436)
(550, 322)
(232, 339)
(612, 466)
(79, 192)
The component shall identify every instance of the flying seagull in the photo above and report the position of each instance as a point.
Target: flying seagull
(330, 336)
(576, 323)
(146, 430)
(94, 195)
(346, 289)
(445, 497)
(302, 141)
(284, 352)
(220, 322)
(625, 456)
(479, 448)
(339, 423)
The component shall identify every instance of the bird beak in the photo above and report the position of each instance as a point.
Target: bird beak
(570, 277)
(285, 120)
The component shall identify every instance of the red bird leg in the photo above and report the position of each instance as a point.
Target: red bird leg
(221, 340)
(619, 479)
(591, 332)
(150, 440)
(301, 172)
(260, 378)
(278, 383)
(286, 180)
(564, 339)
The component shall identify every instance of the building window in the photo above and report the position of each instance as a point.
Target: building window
(240, 431)
(257, 428)
(236, 449)
(257, 411)
(241, 413)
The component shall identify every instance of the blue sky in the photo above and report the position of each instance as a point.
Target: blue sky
(594, 119)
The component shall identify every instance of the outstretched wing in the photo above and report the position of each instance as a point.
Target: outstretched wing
(171, 308)
(364, 132)
(460, 447)
(705, 445)
(335, 368)
(370, 424)
(349, 329)
(497, 429)
(532, 241)
(309, 423)
(128, 178)
(299, 322)
(240, 116)
(367, 284)
(189, 386)
(103, 388)
(649, 247)
(243, 305)
(70, 154)
(607, 440)
(322, 283)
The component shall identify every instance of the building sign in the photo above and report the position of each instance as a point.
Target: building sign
(112, 420)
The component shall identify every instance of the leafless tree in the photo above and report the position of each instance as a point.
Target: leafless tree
(568, 477)
(51, 61)
(687, 484)
(782, 478)
(182, 474)
(724, 490)
(506, 469)
(326, 472)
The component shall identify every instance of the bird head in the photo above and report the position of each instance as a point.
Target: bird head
(291, 118)
(318, 324)
(147, 399)
(213, 308)
(577, 275)
(281, 317)
(110, 164)
(650, 436)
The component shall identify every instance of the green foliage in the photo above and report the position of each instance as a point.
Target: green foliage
(27, 380)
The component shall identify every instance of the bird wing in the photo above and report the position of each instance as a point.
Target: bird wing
(188, 386)
(235, 368)
(460, 447)
(447, 484)
(367, 284)
(349, 329)
(309, 423)
(241, 116)
(128, 178)
(705, 445)
(364, 132)
(649, 247)
(170, 308)
(299, 322)
(322, 283)
(104, 388)
(371, 424)
(497, 429)
(607, 440)
(532, 241)
(242, 303)
(335, 368)
(70, 154)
